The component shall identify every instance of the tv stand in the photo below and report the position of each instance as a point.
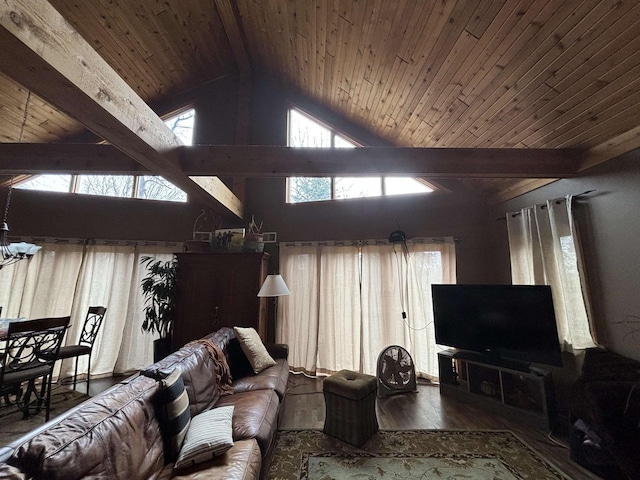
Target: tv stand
(521, 395)
(494, 360)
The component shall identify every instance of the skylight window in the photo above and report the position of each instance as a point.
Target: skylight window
(148, 187)
(306, 132)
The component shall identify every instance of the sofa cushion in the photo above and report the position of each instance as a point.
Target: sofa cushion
(199, 373)
(274, 378)
(255, 415)
(172, 409)
(114, 435)
(209, 435)
(254, 349)
(243, 461)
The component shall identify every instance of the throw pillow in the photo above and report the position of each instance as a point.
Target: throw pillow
(253, 348)
(172, 410)
(210, 434)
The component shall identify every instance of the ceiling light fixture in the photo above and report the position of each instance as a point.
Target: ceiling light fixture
(14, 252)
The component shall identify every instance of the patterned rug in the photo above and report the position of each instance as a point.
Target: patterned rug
(417, 454)
(13, 425)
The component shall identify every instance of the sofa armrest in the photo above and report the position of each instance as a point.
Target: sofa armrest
(278, 350)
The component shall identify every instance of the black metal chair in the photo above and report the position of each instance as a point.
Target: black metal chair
(92, 324)
(28, 347)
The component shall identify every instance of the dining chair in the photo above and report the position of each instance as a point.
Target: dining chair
(92, 324)
(28, 347)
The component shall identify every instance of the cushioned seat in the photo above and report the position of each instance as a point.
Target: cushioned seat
(350, 401)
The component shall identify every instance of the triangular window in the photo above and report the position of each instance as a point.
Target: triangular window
(150, 187)
(304, 131)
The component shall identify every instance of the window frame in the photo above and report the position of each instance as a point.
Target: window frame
(333, 132)
(75, 177)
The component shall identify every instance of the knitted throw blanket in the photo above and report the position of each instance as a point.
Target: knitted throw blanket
(223, 372)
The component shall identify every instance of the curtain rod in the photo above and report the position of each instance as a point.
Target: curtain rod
(92, 241)
(358, 243)
(557, 202)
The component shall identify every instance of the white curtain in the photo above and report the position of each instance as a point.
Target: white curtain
(545, 250)
(66, 279)
(347, 303)
(43, 286)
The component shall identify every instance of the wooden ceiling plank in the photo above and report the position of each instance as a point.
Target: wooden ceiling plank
(365, 79)
(616, 121)
(312, 11)
(134, 73)
(487, 12)
(49, 57)
(347, 84)
(321, 29)
(449, 79)
(374, 74)
(590, 112)
(614, 26)
(439, 106)
(420, 107)
(497, 89)
(394, 64)
(582, 89)
(439, 36)
(506, 41)
(120, 52)
(207, 32)
(538, 99)
(413, 48)
(453, 28)
(342, 34)
(500, 66)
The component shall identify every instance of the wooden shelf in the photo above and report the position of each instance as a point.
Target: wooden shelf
(523, 396)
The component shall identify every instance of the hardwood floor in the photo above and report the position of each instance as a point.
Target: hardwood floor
(426, 409)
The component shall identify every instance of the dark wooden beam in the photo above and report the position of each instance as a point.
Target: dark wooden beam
(274, 161)
(74, 158)
(43, 52)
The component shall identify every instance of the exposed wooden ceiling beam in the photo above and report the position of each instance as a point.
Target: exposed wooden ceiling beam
(41, 51)
(273, 161)
(615, 147)
(519, 188)
(231, 28)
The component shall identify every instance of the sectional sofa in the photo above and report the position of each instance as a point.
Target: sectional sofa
(119, 435)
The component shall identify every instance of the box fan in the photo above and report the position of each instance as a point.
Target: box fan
(396, 372)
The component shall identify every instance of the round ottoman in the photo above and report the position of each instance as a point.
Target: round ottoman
(350, 402)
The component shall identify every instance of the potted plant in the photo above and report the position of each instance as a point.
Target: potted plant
(159, 290)
(254, 240)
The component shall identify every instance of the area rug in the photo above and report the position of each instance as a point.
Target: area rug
(13, 425)
(416, 454)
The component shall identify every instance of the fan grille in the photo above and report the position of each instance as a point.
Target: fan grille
(396, 371)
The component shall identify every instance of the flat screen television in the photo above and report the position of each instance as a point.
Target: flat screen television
(499, 322)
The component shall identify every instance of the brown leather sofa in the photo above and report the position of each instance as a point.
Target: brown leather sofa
(116, 434)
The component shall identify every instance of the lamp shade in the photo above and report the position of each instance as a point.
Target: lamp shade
(273, 286)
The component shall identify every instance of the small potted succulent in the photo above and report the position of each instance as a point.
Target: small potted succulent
(159, 290)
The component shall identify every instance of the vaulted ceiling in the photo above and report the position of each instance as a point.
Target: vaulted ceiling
(487, 74)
